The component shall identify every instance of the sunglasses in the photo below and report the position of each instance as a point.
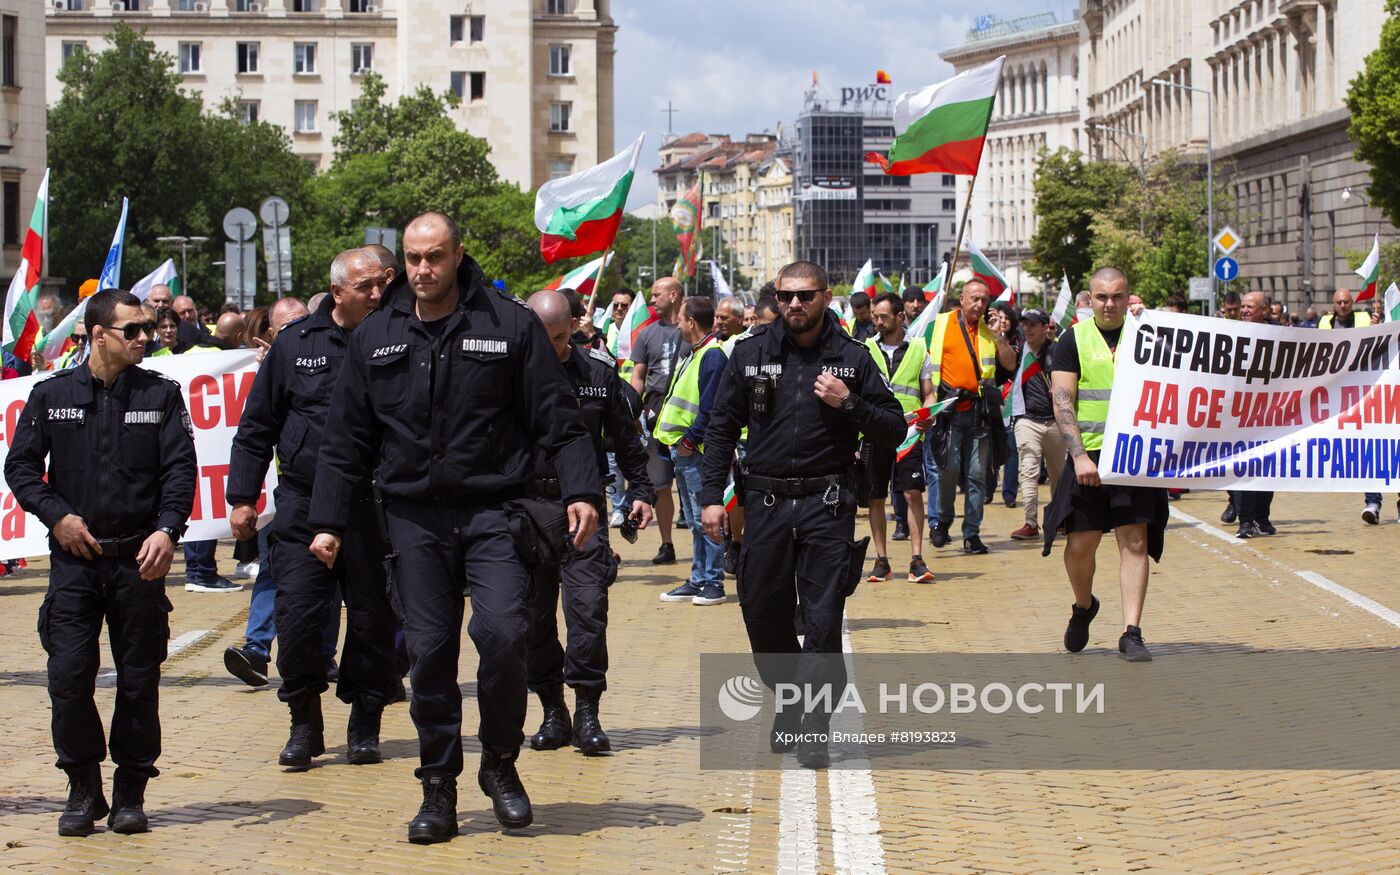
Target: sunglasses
(805, 296)
(131, 330)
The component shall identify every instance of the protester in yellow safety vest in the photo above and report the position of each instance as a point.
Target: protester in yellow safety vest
(965, 351)
(1081, 381)
(904, 363)
(621, 300)
(1343, 316)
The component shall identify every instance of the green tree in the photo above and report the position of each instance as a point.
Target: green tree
(1374, 101)
(1069, 193)
(632, 261)
(394, 161)
(125, 127)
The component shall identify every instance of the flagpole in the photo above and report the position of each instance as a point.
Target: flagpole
(598, 284)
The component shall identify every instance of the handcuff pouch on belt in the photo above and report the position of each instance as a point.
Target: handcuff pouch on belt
(855, 567)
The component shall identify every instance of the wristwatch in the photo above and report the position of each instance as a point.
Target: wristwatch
(172, 532)
(848, 403)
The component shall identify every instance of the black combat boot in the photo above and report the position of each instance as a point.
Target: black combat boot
(307, 739)
(500, 781)
(554, 728)
(437, 818)
(362, 733)
(128, 797)
(85, 801)
(589, 736)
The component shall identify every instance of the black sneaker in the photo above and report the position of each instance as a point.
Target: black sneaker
(1077, 632)
(974, 546)
(880, 571)
(247, 665)
(1008, 500)
(710, 594)
(1131, 648)
(1229, 515)
(901, 531)
(1247, 530)
(218, 584)
(918, 571)
(665, 556)
(938, 536)
(683, 593)
(1266, 528)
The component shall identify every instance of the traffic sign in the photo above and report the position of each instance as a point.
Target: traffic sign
(1227, 241)
(1226, 269)
(274, 211)
(239, 224)
(1199, 288)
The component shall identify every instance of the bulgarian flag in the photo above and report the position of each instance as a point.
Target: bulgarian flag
(582, 279)
(639, 316)
(1014, 393)
(1369, 272)
(865, 281)
(685, 221)
(933, 292)
(844, 315)
(941, 128)
(731, 500)
(1063, 314)
(580, 214)
(911, 437)
(923, 326)
(21, 326)
(984, 270)
(1392, 303)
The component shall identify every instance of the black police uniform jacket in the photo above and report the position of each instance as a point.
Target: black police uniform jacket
(288, 406)
(800, 435)
(610, 409)
(122, 458)
(454, 418)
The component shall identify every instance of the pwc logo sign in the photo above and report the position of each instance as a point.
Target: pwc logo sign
(875, 93)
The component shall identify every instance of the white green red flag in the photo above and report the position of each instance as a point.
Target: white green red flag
(1392, 303)
(1014, 395)
(639, 315)
(582, 279)
(911, 437)
(923, 325)
(844, 315)
(1063, 314)
(731, 500)
(54, 344)
(865, 281)
(686, 221)
(984, 270)
(21, 327)
(580, 214)
(935, 285)
(1370, 272)
(942, 128)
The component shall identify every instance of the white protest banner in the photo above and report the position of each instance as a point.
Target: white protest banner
(215, 386)
(1214, 404)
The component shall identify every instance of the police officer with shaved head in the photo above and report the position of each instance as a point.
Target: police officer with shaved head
(610, 409)
(449, 390)
(285, 417)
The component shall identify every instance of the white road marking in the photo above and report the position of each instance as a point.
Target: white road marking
(855, 816)
(1205, 527)
(797, 819)
(173, 647)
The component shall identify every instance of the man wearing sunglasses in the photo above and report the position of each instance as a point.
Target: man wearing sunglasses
(121, 480)
(286, 415)
(806, 390)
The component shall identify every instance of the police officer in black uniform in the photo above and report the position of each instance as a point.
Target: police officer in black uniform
(610, 416)
(448, 390)
(806, 390)
(286, 410)
(121, 482)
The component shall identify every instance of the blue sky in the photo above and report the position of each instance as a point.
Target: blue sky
(740, 66)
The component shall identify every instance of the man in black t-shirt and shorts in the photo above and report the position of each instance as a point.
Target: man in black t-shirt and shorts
(1081, 379)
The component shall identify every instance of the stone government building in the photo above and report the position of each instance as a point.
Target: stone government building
(535, 77)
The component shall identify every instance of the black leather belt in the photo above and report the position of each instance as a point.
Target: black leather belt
(120, 548)
(795, 487)
(547, 487)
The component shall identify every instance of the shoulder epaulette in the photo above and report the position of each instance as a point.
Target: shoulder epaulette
(302, 318)
(602, 355)
(509, 297)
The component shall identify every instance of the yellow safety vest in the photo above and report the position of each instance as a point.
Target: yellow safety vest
(682, 405)
(1363, 320)
(986, 345)
(905, 382)
(1095, 383)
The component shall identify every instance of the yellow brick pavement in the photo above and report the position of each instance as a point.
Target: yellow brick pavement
(221, 803)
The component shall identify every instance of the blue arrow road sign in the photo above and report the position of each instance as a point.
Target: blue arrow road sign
(1226, 269)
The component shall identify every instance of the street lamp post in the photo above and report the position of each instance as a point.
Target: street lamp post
(184, 243)
(1348, 194)
(1210, 179)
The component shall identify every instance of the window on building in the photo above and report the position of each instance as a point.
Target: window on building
(184, 5)
(70, 47)
(559, 167)
(454, 28)
(248, 111)
(478, 87)
(949, 179)
(559, 117)
(304, 57)
(459, 83)
(305, 116)
(477, 31)
(360, 5)
(11, 213)
(559, 7)
(247, 5)
(361, 58)
(9, 75)
(191, 58)
(248, 57)
(560, 61)
(303, 5)
(950, 203)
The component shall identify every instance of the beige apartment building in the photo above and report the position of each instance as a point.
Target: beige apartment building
(535, 77)
(23, 129)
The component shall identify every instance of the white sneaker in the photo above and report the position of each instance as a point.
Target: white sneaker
(617, 519)
(246, 570)
(1371, 515)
